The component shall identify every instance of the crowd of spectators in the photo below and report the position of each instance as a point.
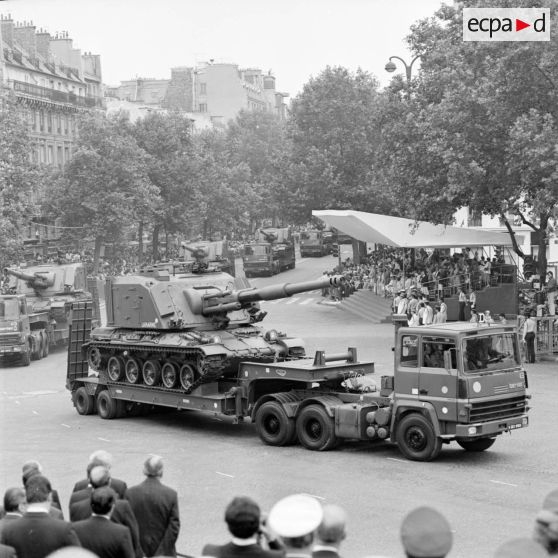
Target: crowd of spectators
(107, 519)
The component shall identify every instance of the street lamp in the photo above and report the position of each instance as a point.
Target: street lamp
(391, 67)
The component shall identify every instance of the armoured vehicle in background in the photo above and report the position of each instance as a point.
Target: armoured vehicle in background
(273, 252)
(36, 311)
(215, 254)
(185, 329)
(316, 242)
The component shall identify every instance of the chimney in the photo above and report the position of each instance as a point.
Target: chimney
(7, 24)
(43, 44)
(24, 35)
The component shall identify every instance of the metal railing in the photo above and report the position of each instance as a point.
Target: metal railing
(55, 95)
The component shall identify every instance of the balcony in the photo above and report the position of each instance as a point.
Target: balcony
(46, 93)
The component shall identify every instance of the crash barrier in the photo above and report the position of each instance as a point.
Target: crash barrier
(547, 335)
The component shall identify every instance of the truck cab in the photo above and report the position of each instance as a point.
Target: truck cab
(15, 330)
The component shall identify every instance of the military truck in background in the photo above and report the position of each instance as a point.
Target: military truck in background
(215, 253)
(35, 313)
(272, 252)
(316, 242)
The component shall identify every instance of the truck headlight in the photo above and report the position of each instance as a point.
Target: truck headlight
(472, 430)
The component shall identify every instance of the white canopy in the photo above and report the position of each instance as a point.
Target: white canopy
(404, 233)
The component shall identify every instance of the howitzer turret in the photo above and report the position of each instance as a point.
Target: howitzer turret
(187, 329)
(35, 280)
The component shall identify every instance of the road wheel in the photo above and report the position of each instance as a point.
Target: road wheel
(36, 352)
(46, 346)
(416, 438)
(169, 374)
(476, 445)
(94, 358)
(133, 370)
(273, 425)
(187, 376)
(115, 368)
(151, 372)
(83, 402)
(316, 429)
(107, 407)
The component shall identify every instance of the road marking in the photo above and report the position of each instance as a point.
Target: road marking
(293, 300)
(35, 412)
(505, 483)
(103, 439)
(225, 474)
(17, 402)
(314, 496)
(307, 301)
(66, 425)
(399, 460)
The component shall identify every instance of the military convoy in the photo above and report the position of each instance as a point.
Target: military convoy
(190, 340)
(272, 252)
(315, 242)
(36, 311)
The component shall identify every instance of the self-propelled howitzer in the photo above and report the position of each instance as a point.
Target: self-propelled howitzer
(185, 330)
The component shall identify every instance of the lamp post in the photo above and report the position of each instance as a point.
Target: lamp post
(391, 67)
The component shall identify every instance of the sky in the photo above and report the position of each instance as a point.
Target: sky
(295, 39)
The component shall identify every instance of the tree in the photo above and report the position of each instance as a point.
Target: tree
(104, 188)
(19, 179)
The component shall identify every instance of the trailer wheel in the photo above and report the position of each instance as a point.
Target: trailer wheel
(476, 445)
(133, 370)
(273, 425)
(316, 429)
(107, 407)
(169, 374)
(151, 372)
(95, 358)
(416, 438)
(83, 402)
(115, 368)
(187, 376)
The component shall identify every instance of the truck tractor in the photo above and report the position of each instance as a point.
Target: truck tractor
(273, 252)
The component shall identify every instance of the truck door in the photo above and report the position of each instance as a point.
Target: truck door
(436, 384)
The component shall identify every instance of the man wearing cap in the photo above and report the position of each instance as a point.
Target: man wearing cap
(243, 519)
(426, 533)
(331, 532)
(295, 519)
(104, 459)
(156, 509)
(546, 524)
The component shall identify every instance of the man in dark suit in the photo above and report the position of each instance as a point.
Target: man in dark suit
(104, 459)
(14, 506)
(98, 533)
(331, 532)
(156, 509)
(36, 534)
(244, 522)
(32, 468)
(122, 513)
(7, 551)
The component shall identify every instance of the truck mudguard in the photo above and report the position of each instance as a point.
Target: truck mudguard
(404, 407)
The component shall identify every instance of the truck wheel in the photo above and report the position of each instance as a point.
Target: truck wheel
(107, 407)
(26, 358)
(476, 445)
(316, 429)
(83, 402)
(115, 368)
(46, 345)
(151, 372)
(36, 351)
(416, 438)
(273, 425)
(133, 370)
(169, 374)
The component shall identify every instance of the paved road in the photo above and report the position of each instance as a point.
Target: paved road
(487, 498)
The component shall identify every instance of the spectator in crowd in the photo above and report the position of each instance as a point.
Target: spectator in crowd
(520, 548)
(474, 317)
(331, 532)
(403, 304)
(426, 533)
(546, 524)
(529, 334)
(428, 317)
(31, 468)
(156, 509)
(473, 300)
(121, 514)
(502, 318)
(243, 520)
(37, 534)
(14, 506)
(551, 290)
(488, 317)
(101, 535)
(462, 300)
(104, 459)
(295, 520)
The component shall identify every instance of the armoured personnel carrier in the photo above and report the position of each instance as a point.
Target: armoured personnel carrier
(182, 329)
(41, 299)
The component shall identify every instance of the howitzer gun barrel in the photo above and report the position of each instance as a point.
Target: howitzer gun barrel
(36, 280)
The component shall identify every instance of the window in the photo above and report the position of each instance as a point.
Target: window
(59, 123)
(41, 121)
(66, 154)
(50, 159)
(409, 351)
(433, 350)
(203, 88)
(49, 122)
(66, 125)
(203, 107)
(491, 352)
(59, 157)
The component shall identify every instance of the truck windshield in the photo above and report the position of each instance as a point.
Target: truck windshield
(312, 236)
(259, 250)
(490, 352)
(9, 309)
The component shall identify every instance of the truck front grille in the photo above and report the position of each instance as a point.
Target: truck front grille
(498, 409)
(9, 338)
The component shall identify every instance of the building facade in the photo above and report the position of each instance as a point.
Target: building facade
(52, 82)
(217, 91)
